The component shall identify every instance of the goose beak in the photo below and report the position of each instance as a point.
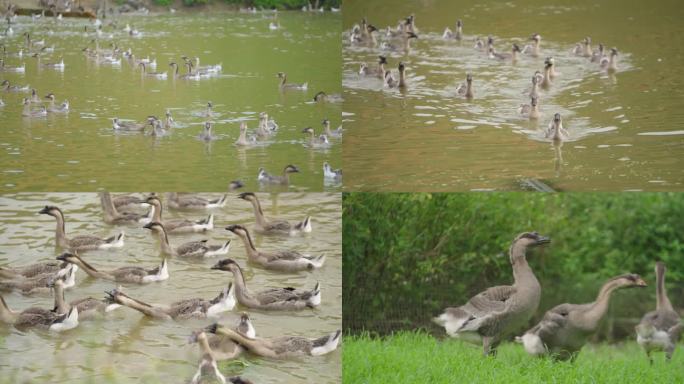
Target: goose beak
(641, 283)
(44, 211)
(543, 240)
(231, 228)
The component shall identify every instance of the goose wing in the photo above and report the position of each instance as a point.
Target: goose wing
(85, 304)
(284, 255)
(291, 344)
(87, 240)
(275, 295)
(36, 316)
(125, 273)
(279, 225)
(188, 308)
(193, 248)
(662, 320)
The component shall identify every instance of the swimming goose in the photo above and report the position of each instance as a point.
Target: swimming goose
(206, 134)
(157, 75)
(188, 75)
(276, 299)
(134, 275)
(82, 242)
(458, 35)
(555, 130)
(158, 129)
(266, 127)
(552, 67)
(113, 216)
(124, 201)
(189, 249)
(283, 260)
(207, 68)
(245, 326)
(38, 317)
(223, 347)
(39, 283)
(536, 79)
(479, 44)
(30, 270)
(14, 88)
(324, 97)
(380, 69)
(281, 347)
(34, 97)
(242, 140)
(7, 68)
(168, 121)
(533, 50)
(28, 112)
(178, 225)
(545, 82)
(331, 174)
(56, 65)
(177, 201)
(466, 89)
(583, 48)
(330, 133)
(263, 225)
(285, 85)
(182, 309)
(88, 307)
(597, 56)
(267, 178)
(610, 64)
(129, 126)
(207, 363)
(660, 330)
(390, 81)
(63, 108)
(531, 110)
(498, 311)
(513, 56)
(316, 142)
(564, 329)
(406, 43)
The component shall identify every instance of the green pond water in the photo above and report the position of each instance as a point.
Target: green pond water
(625, 129)
(126, 347)
(81, 152)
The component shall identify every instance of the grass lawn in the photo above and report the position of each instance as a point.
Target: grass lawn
(411, 357)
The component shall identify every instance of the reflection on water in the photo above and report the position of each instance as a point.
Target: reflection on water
(79, 150)
(128, 347)
(622, 126)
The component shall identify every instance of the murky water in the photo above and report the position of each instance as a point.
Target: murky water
(80, 152)
(625, 128)
(125, 346)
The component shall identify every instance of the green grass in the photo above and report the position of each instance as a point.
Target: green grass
(411, 357)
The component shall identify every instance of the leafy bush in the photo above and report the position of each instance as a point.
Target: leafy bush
(408, 256)
(162, 2)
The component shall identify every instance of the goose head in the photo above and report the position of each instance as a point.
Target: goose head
(469, 78)
(371, 28)
(229, 265)
(535, 37)
(51, 210)
(154, 226)
(531, 239)
(291, 169)
(401, 67)
(239, 229)
(382, 60)
(326, 123)
(587, 40)
(613, 51)
(249, 196)
(207, 127)
(557, 120)
(629, 280)
(516, 48)
(245, 326)
(308, 130)
(281, 75)
(235, 184)
(459, 23)
(320, 96)
(69, 257)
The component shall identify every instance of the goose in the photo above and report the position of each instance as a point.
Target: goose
(285, 85)
(178, 225)
(458, 35)
(266, 178)
(402, 75)
(479, 44)
(189, 249)
(7, 68)
(281, 347)
(39, 283)
(513, 56)
(133, 275)
(533, 50)
(39, 318)
(189, 75)
(207, 363)
(534, 91)
(14, 88)
(379, 71)
(466, 89)
(245, 326)
(330, 133)
(223, 347)
(88, 307)
(546, 77)
(56, 65)
(330, 98)
(177, 201)
(660, 330)
(63, 108)
(275, 299)
(390, 81)
(583, 48)
(552, 67)
(178, 310)
(168, 121)
(158, 129)
(597, 56)
(406, 43)
(555, 130)
(34, 97)
(242, 140)
(124, 201)
(206, 134)
(284, 260)
(268, 125)
(156, 75)
(28, 112)
(82, 242)
(531, 110)
(264, 225)
(491, 315)
(208, 68)
(30, 270)
(610, 64)
(316, 142)
(129, 126)
(113, 216)
(364, 70)
(331, 174)
(564, 329)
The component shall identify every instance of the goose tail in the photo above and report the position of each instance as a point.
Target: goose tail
(315, 298)
(330, 344)
(304, 225)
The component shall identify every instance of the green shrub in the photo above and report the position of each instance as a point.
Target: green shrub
(162, 2)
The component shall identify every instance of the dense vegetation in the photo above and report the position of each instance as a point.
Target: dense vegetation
(408, 256)
(265, 4)
(420, 358)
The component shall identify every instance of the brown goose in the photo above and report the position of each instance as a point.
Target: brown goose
(113, 216)
(36, 317)
(182, 309)
(39, 283)
(124, 201)
(660, 330)
(178, 201)
(279, 299)
(189, 249)
(284, 260)
(491, 315)
(564, 329)
(88, 307)
(179, 225)
(83, 242)
(267, 178)
(137, 275)
(210, 352)
(263, 225)
(281, 347)
(30, 270)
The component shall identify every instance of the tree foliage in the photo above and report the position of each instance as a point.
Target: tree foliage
(408, 256)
